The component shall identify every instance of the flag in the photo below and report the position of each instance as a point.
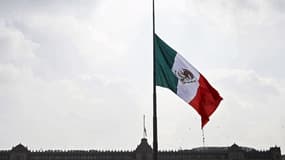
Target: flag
(174, 72)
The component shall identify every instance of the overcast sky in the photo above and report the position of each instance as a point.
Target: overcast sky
(78, 74)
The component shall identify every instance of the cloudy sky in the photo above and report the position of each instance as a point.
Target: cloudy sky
(78, 74)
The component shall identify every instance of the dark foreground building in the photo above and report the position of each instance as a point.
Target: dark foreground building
(144, 152)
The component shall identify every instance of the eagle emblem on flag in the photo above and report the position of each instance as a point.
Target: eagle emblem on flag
(185, 76)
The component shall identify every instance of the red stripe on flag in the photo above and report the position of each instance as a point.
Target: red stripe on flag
(206, 100)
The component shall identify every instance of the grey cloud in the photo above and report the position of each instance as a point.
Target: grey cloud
(29, 7)
(15, 47)
(247, 85)
(278, 4)
(250, 5)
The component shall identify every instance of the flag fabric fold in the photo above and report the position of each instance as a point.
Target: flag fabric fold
(174, 72)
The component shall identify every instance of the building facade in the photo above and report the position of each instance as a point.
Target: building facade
(144, 152)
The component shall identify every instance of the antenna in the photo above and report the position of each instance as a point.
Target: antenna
(144, 129)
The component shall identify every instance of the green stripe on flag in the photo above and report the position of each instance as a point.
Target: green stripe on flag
(164, 60)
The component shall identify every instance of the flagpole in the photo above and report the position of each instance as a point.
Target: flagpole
(155, 146)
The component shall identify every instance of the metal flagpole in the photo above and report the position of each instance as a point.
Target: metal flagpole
(155, 146)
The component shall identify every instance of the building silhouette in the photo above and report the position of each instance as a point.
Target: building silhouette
(144, 152)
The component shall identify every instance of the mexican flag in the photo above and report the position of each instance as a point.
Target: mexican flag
(175, 73)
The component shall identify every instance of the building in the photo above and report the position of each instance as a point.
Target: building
(144, 152)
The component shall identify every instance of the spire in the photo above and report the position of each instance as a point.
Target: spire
(144, 128)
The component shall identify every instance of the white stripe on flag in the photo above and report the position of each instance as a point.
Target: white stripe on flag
(186, 91)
